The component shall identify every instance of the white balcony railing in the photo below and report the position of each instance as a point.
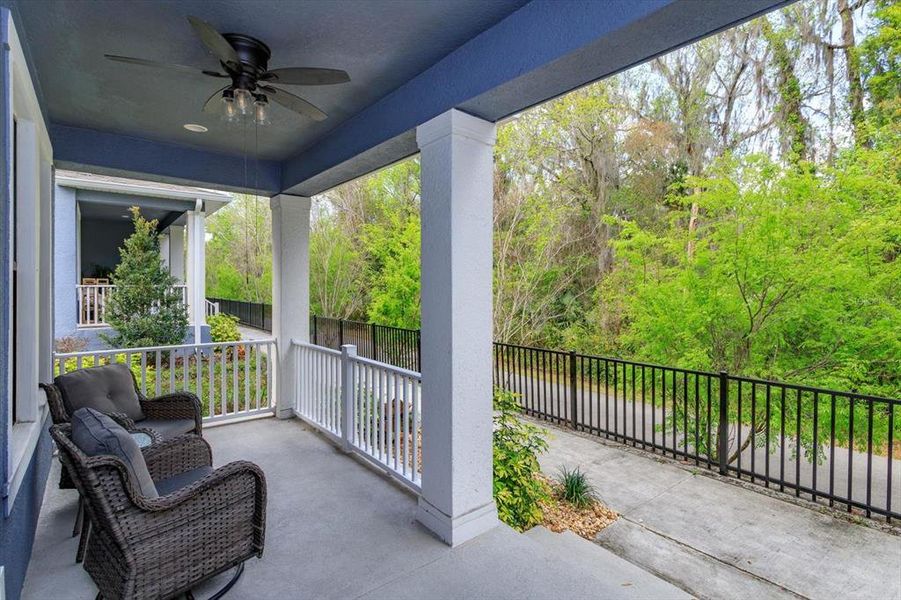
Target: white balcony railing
(93, 300)
(232, 379)
(367, 407)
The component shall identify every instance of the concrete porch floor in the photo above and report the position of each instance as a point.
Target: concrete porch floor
(338, 529)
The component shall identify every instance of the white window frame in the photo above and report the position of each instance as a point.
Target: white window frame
(31, 216)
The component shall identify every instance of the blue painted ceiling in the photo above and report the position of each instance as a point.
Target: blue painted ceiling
(380, 43)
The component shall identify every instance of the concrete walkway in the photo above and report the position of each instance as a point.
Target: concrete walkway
(251, 333)
(716, 539)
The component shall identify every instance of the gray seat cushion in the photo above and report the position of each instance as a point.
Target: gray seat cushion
(96, 434)
(108, 389)
(168, 428)
(176, 482)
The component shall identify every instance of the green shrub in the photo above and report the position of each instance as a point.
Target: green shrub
(517, 490)
(223, 328)
(145, 309)
(575, 488)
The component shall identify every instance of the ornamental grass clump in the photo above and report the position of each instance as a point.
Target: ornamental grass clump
(575, 488)
(518, 491)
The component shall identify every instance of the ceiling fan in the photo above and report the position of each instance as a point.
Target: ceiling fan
(245, 61)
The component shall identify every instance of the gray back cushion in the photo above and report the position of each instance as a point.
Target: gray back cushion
(110, 388)
(97, 434)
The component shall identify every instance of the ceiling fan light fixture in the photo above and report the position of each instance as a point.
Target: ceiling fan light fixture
(261, 109)
(229, 110)
(243, 100)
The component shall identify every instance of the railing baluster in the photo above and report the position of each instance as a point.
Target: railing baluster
(156, 376)
(870, 456)
(144, 373)
(171, 371)
(415, 458)
(850, 450)
(247, 354)
(236, 392)
(832, 451)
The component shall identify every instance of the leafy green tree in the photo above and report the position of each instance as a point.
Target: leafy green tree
(881, 64)
(145, 309)
(239, 251)
(336, 267)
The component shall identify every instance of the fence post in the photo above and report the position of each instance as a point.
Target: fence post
(419, 350)
(375, 354)
(315, 330)
(340, 332)
(573, 419)
(348, 352)
(722, 433)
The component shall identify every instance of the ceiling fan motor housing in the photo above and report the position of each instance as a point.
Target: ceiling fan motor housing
(254, 56)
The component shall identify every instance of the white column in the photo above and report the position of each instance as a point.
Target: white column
(457, 185)
(290, 290)
(47, 291)
(164, 250)
(176, 252)
(28, 270)
(196, 269)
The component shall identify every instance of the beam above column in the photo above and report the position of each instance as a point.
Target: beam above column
(457, 166)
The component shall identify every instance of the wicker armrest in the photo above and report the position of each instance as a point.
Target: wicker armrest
(178, 405)
(122, 419)
(239, 486)
(177, 455)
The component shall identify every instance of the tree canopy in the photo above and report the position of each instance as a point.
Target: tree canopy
(735, 204)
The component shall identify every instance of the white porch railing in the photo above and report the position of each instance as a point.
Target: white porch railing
(367, 407)
(92, 302)
(232, 379)
(212, 308)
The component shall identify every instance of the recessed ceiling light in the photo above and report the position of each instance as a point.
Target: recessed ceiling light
(195, 128)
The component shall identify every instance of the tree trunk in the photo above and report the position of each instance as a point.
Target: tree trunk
(855, 86)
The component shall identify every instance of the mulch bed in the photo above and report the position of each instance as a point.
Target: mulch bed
(560, 515)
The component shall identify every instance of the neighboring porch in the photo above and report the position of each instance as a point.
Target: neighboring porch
(92, 220)
(338, 529)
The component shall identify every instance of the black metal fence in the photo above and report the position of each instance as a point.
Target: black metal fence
(392, 345)
(823, 445)
(252, 314)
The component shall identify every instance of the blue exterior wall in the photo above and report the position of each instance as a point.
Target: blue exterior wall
(17, 529)
(17, 521)
(65, 261)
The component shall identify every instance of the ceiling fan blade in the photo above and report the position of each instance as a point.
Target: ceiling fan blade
(217, 44)
(158, 65)
(212, 103)
(306, 76)
(295, 103)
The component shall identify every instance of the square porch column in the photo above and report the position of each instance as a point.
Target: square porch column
(290, 290)
(457, 170)
(176, 252)
(196, 281)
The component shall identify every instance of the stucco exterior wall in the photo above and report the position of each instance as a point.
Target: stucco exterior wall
(65, 262)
